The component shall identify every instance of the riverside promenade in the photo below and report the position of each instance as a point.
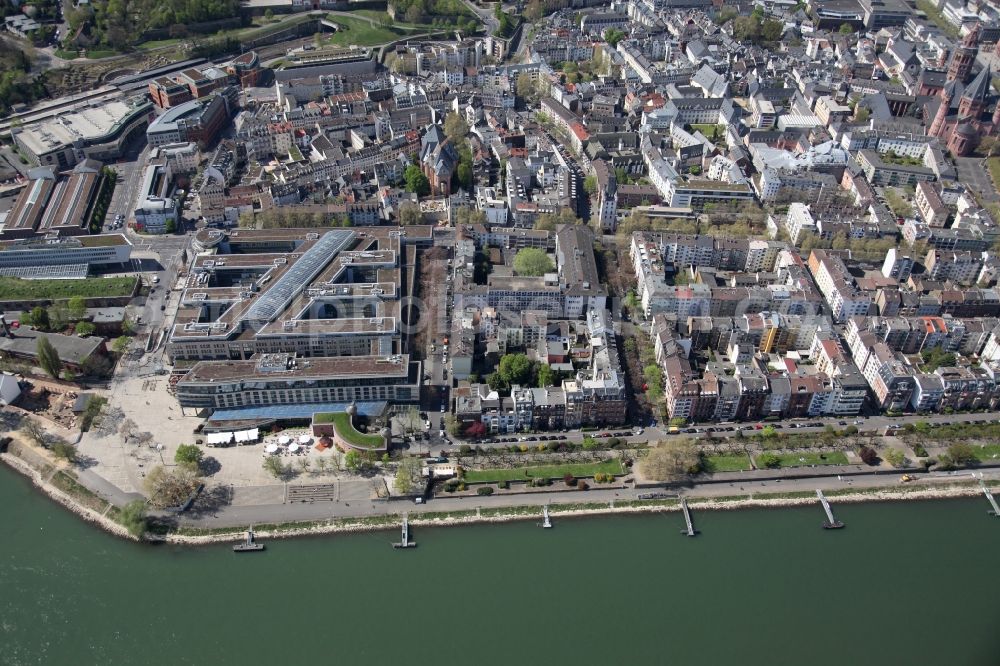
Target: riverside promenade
(235, 516)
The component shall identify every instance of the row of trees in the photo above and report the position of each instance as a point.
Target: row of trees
(872, 249)
(281, 218)
(57, 317)
(423, 11)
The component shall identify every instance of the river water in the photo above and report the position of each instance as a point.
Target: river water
(909, 583)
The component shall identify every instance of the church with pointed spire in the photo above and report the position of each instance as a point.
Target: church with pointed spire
(961, 114)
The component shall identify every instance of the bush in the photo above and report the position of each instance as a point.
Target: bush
(769, 460)
(64, 450)
(464, 449)
(132, 516)
(569, 480)
(485, 490)
(189, 455)
(920, 451)
(91, 412)
(540, 482)
(582, 486)
(895, 457)
(505, 485)
(868, 455)
(962, 454)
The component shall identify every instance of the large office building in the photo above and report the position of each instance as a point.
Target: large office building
(72, 256)
(96, 132)
(197, 120)
(297, 316)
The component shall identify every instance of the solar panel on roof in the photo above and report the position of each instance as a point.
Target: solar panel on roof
(55, 272)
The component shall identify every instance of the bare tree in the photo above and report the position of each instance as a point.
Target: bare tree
(34, 431)
(127, 429)
(669, 461)
(170, 488)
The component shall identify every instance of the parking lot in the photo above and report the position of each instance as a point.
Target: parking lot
(972, 171)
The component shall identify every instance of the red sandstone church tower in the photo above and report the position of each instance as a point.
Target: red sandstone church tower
(964, 56)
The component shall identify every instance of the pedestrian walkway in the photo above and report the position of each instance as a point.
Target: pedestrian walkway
(258, 495)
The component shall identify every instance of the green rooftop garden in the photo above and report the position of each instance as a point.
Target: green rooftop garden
(15, 289)
(346, 431)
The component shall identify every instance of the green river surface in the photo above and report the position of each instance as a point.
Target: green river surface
(906, 583)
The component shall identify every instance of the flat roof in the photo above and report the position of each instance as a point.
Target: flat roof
(278, 287)
(306, 368)
(87, 124)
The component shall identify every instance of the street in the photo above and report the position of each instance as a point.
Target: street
(872, 425)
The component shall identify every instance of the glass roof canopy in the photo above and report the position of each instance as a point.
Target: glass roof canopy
(299, 275)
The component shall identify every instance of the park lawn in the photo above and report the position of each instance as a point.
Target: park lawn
(14, 289)
(613, 466)
(345, 429)
(806, 458)
(994, 168)
(708, 129)
(727, 463)
(383, 17)
(359, 32)
(157, 43)
(987, 452)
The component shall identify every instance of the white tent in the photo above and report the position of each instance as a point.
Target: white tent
(245, 436)
(293, 448)
(284, 440)
(271, 448)
(304, 439)
(217, 438)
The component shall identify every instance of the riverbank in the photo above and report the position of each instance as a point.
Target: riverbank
(187, 536)
(66, 500)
